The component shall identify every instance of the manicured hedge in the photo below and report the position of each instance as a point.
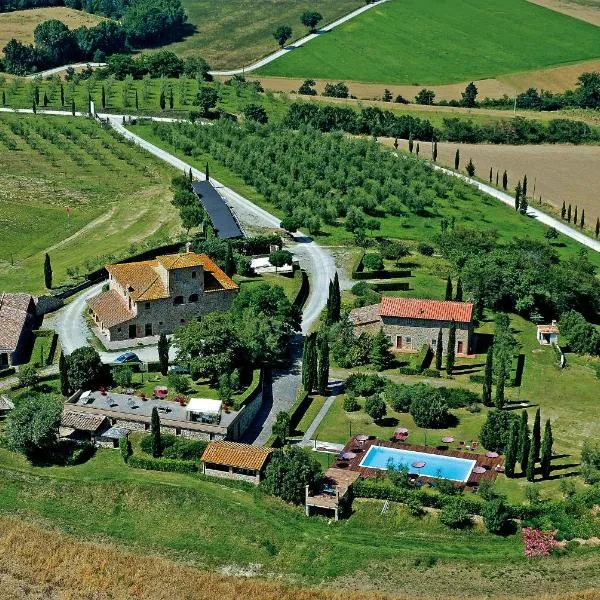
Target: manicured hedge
(423, 358)
(408, 371)
(299, 407)
(162, 464)
(385, 274)
(391, 286)
(477, 378)
(251, 391)
(431, 373)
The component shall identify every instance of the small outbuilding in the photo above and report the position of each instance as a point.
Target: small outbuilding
(5, 407)
(548, 334)
(203, 410)
(82, 427)
(232, 460)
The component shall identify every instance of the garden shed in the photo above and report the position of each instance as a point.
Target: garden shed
(547, 334)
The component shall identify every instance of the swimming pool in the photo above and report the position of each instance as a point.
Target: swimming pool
(436, 465)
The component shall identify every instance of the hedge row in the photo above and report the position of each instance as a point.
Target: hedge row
(385, 274)
(431, 373)
(391, 286)
(299, 407)
(162, 464)
(408, 371)
(251, 391)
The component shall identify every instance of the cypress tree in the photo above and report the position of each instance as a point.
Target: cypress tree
(103, 97)
(3, 98)
(457, 160)
(497, 174)
(336, 312)
(536, 436)
(323, 370)
(569, 214)
(439, 350)
(37, 95)
(458, 296)
(524, 192)
(418, 148)
(597, 227)
(448, 289)
(523, 205)
(309, 363)
(510, 455)
(380, 350)
(530, 468)
(518, 192)
(450, 350)
(73, 106)
(45, 99)
(163, 353)
(34, 107)
(505, 181)
(582, 221)
(488, 377)
(229, 261)
(62, 95)
(523, 431)
(526, 445)
(171, 101)
(410, 142)
(575, 217)
(155, 433)
(500, 385)
(137, 103)
(546, 454)
(64, 375)
(435, 151)
(328, 306)
(161, 100)
(491, 174)
(47, 272)
(190, 176)
(207, 174)
(563, 211)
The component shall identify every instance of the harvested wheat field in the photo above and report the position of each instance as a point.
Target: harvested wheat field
(558, 172)
(585, 10)
(36, 563)
(555, 79)
(20, 24)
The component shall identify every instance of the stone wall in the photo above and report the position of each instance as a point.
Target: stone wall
(46, 304)
(425, 332)
(254, 479)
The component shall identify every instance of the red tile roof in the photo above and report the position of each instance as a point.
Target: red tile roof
(233, 454)
(432, 310)
(110, 308)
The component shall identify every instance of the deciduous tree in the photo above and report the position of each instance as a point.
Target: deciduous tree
(282, 34)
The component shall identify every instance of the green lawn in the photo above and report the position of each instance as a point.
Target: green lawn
(569, 398)
(75, 190)
(290, 284)
(234, 33)
(212, 525)
(437, 42)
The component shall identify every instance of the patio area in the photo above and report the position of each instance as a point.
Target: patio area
(486, 467)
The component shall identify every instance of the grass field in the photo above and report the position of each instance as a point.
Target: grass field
(433, 42)
(234, 33)
(20, 24)
(211, 525)
(77, 191)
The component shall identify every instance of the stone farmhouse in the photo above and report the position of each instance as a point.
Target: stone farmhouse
(411, 323)
(17, 321)
(157, 296)
(231, 460)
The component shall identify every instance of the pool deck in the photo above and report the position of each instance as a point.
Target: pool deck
(361, 448)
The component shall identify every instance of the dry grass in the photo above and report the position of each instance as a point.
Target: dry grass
(21, 23)
(556, 79)
(38, 563)
(560, 172)
(585, 10)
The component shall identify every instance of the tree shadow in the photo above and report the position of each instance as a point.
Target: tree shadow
(519, 370)
(388, 422)
(483, 341)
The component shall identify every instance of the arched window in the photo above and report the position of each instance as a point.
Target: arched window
(177, 300)
(193, 298)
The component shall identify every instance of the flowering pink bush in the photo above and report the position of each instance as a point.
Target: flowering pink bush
(537, 542)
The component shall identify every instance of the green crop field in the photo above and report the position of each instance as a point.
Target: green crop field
(77, 191)
(234, 33)
(435, 41)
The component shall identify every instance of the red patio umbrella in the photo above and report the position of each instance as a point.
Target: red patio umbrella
(348, 455)
(402, 430)
(447, 440)
(160, 391)
(479, 470)
(362, 438)
(492, 454)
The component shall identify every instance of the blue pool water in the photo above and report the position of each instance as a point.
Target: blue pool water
(436, 465)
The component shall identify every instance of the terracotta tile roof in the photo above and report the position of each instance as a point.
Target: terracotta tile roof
(82, 421)
(233, 454)
(142, 277)
(435, 310)
(364, 315)
(14, 310)
(146, 282)
(547, 329)
(110, 308)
